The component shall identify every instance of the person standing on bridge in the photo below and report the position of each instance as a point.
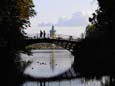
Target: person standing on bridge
(44, 33)
(41, 33)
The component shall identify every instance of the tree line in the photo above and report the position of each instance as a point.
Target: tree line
(96, 53)
(14, 18)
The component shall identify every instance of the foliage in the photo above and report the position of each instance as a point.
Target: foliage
(103, 20)
(95, 54)
(12, 22)
(25, 8)
(12, 25)
(90, 31)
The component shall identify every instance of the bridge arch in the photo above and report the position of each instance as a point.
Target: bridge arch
(66, 44)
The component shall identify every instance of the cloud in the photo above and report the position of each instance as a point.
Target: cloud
(77, 19)
(45, 24)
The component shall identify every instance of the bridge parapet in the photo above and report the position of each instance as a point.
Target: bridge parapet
(58, 36)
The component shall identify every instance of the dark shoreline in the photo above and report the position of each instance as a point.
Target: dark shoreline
(50, 49)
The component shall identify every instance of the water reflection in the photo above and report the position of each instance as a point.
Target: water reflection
(40, 66)
(73, 82)
(47, 63)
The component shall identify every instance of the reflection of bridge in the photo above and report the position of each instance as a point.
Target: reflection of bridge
(68, 75)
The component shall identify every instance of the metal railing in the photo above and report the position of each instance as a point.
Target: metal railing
(57, 36)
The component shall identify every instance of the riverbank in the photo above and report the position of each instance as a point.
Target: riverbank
(44, 46)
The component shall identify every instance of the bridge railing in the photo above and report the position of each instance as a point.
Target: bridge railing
(57, 36)
(37, 36)
(67, 37)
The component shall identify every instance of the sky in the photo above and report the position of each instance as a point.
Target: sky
(65, 13)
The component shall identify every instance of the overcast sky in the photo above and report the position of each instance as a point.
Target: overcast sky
(64, 13)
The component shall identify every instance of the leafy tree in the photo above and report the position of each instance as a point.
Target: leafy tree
(95, 54)
(14, 18)
(103, 19)
(90, 31)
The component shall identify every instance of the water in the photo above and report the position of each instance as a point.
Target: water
(73, 82)
(47, 63)
(50, 63)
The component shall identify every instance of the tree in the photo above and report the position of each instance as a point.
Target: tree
(90, 31)
(95, 53)
(104, 19)
(13, 21)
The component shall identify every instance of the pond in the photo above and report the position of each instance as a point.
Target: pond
(50, 63)
(47, 63)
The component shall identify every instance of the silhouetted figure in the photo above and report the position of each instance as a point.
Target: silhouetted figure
(40, 83)
(45, 64)
(70, 38)
(37, 35)
(41, 33)
(44, 33)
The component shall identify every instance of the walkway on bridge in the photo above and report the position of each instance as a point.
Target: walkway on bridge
(57, 36)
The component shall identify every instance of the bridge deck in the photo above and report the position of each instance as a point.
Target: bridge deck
(57, 36)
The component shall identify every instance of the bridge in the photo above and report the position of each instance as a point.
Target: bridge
(69, 43)
(65, 41)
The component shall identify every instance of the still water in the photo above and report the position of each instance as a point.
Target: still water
(47, 63)
(50, 63)
(73, 82)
